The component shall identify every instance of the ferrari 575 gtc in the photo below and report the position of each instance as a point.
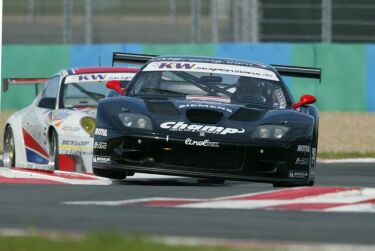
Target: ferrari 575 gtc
(213, 118)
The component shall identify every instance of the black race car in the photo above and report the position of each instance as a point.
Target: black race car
(211, 118)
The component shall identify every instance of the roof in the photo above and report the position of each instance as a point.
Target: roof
(103, 69)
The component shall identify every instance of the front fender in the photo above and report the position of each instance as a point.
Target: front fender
(15, 122)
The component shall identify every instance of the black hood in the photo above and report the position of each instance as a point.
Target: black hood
(177, 116)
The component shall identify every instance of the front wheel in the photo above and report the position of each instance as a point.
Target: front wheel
(53, 162)
(9, 154)
(293, 184)
(212, 181)
(111, 174)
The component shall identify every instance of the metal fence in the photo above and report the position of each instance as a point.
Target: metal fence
(183, 21)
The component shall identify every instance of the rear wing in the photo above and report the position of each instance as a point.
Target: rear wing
(23, 81)
(131, 58)
(299, 72)
(283, 70)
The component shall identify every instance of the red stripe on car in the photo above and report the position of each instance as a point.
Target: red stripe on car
(33, 144)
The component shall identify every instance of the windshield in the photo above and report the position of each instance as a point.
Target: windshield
(236, 83)
(87, 90)
(83, 94)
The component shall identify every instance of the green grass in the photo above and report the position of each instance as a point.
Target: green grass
(343, 155)
(96, 242)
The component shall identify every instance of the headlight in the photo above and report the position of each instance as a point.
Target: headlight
(270, 132)
(89, 125)
(135, 121)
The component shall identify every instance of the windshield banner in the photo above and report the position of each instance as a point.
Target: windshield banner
(96, 77)
(239, 70)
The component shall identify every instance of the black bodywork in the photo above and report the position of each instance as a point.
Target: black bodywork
(206, 139)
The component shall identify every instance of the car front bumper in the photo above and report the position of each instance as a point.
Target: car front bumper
(259, 161)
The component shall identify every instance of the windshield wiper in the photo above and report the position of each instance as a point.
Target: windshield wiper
(95, 96)
(202, 85)
(161, 91)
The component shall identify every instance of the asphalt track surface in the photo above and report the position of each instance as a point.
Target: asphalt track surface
(41, 207)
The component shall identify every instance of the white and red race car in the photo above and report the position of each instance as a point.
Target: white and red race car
(56, 131)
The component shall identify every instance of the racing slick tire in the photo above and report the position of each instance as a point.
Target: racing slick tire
(53, 161)
(291, 184)
(212, 181)
(111, 174)
(9, 153)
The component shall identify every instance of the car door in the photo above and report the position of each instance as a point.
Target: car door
(36, 121)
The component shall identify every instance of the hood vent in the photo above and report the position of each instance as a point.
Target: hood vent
(246, 115)
(162, 107)
(203, 116)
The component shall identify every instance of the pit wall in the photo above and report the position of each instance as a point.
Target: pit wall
(348, 78)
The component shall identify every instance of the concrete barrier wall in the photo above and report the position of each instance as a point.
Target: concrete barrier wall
(348, 82)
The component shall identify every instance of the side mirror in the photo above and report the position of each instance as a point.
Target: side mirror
(115, 85)
(304, 100)
(49, 103)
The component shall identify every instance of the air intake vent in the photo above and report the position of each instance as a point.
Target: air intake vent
(246, 115)
(204, 116)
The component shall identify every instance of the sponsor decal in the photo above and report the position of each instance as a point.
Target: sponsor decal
(208, 98)
(37, 166)
(99, 77)
(232, 69)
(91, 77)
(100, 145)
(80, 152)
(302, 161)
(303, 148)
(298, 174)
(101, 132)
(34, 127)
(58, 115)
(207, 106)
(176, 65)
(313, 156)
(205, 143)
(101, 159)
(183, 127)
(210, 60)
(68, 128)
(74, 143)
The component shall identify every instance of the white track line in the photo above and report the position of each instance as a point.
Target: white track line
(349, 160)
(123, 202)
(355, 200)
(347, 197)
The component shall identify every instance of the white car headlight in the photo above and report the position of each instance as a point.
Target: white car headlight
(270, 132)
(135, 121)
